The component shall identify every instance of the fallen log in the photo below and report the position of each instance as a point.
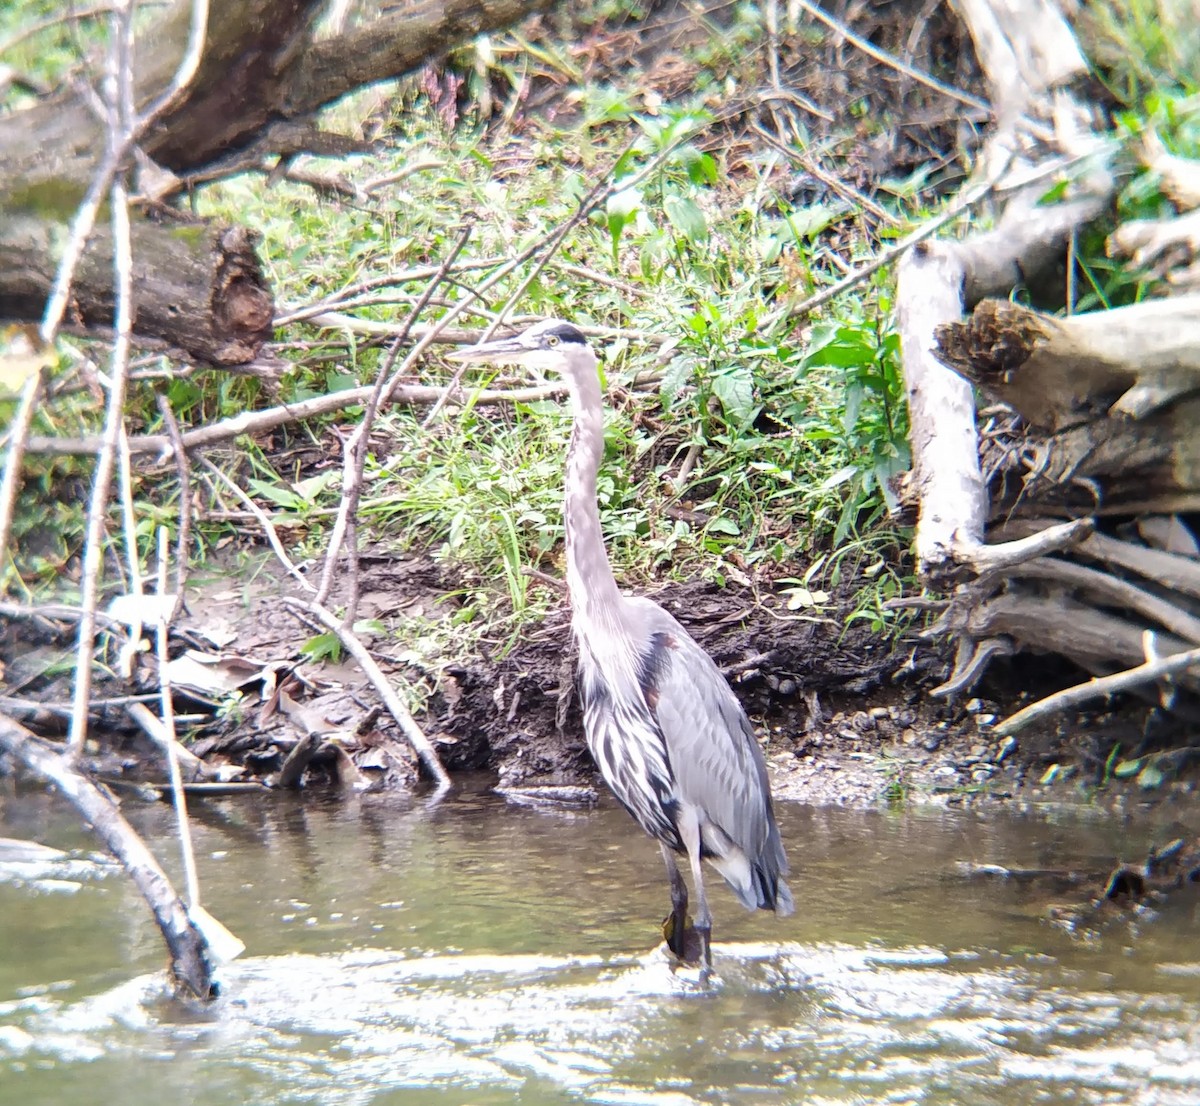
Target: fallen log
(261, 80)
(200, 288)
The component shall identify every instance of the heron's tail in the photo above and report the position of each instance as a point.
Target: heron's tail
(772, 892)
(758, 884)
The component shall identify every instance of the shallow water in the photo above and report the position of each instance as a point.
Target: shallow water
(480, 953)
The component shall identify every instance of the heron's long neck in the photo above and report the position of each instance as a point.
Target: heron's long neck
(589, 575)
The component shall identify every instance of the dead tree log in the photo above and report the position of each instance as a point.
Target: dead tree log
(198, 287)
(191, 965)
(1091, 418)
(261, 80)
(941, 279)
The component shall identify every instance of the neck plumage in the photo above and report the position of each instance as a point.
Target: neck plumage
(589, 575)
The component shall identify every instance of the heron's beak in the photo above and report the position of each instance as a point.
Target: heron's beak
(502, 350)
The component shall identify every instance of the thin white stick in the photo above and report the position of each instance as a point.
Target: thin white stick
(93, 554)
(408, 725)
(190, 881)
(1098, 687)
(265, 522)
(127, 516)
(18, 436)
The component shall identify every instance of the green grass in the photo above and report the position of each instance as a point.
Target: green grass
(792, 435)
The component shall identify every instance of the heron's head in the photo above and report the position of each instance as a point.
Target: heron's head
(551, 345)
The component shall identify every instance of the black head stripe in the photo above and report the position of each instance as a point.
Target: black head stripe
(565, 332)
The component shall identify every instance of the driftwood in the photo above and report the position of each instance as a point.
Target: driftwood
(191, 964)
(1091, 418)
(941, 279)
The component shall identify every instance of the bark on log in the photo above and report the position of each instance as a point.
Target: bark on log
(1057, 373)
(191, 966)
(260, 81)
(199, 288)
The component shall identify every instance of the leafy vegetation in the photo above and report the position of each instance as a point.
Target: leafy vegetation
(739, 447)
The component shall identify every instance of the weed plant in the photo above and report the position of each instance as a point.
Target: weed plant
(761, 452)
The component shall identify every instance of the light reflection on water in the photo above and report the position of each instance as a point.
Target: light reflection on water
(481, 954)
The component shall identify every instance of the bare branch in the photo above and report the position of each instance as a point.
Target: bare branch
(1100, 687)
(191, 965)
(14, 456)
(267, 525)
(355, 450)
(93, 554)
(258, 422)
(406, 722)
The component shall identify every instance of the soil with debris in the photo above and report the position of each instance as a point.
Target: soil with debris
(844, 716)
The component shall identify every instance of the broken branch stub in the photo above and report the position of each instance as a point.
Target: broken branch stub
(1060, 372)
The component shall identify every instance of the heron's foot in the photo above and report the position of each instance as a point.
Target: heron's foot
(687, 943)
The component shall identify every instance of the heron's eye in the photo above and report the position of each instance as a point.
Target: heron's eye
(552, 340)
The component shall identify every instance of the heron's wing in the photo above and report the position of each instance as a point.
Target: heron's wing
(715, 759)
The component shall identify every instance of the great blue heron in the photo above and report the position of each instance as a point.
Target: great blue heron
(668, 734)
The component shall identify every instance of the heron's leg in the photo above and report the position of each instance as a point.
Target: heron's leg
(689, 831)
(679, 903)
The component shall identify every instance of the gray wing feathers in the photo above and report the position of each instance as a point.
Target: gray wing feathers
(715, 759)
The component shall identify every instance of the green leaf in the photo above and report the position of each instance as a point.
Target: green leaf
(687, 218)
(276, 493)
(808, 222)
(1054, 194)
(846, 472)
(323, 647)
(735, 390)
(621, 209)
(724, 526)
(1123, 769)
(677, 375)
(701, 167)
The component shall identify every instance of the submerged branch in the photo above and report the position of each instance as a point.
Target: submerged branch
(191, 965)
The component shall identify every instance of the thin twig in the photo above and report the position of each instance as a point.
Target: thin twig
(17, 439)
(190, 880)
(548, 245)
(93, 553)
(289, 314)
(60, 612)
(128, 520)
(406, 722)
(1099, 687)
(355, 450)
(891, 60)
(264, 522)
(257, 422)
(962, 203)
(180, 456)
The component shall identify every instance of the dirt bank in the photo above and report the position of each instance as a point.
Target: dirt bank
(844, 714)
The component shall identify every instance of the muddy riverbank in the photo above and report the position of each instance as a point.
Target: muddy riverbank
(844, 713)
